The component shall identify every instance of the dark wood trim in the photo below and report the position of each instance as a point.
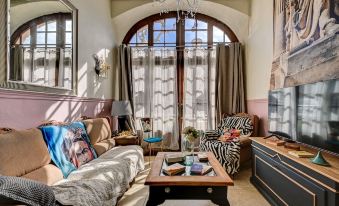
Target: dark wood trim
(173, 14)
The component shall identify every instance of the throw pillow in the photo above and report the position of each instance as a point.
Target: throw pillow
(68, 145)
(25, 191)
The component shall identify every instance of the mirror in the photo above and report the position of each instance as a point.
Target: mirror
(42, 46)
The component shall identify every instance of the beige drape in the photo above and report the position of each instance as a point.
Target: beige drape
(230, 86)
(125, 74)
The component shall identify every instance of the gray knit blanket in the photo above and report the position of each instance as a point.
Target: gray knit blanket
(103, 180)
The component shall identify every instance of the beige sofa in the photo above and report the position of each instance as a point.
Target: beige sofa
(25, 154)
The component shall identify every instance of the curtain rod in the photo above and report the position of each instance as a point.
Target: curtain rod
(202, 46)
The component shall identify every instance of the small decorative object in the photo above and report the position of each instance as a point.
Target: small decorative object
(202, 157)
(174, 158)
(126, 133)
(229, 135)
(101, 68)
(320, 160)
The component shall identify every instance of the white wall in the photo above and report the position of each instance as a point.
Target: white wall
(19, 14)
(259, 49)
(95, 37)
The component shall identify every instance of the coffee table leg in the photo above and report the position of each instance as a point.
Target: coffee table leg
(221, 202)
(154, 199)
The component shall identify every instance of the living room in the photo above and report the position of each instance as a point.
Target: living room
(243, 85)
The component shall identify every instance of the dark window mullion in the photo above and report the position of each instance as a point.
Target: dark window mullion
(150, 34)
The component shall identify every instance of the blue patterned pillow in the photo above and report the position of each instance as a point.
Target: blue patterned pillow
(68, 145)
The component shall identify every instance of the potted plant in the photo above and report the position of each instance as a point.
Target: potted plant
(190, 134)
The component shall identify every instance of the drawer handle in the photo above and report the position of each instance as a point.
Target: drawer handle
(167, 190)
(209, 190)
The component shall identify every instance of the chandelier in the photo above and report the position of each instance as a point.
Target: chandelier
(185, 8)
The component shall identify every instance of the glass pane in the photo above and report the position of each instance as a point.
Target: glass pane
(51, 26)
(218, 34)
(69, 25)
(190, 36)
(202, 35)
(159, 25)
(171, 24)
(227, 39)
(68, 38)
(170, 45)
(158, 45)
(170, 37)
(51, 38)
(41, 27)
(201, 25)
(134, 39)
(142, 35)
(190, 24)
(159, 37)
(40, 38)
(26, 37)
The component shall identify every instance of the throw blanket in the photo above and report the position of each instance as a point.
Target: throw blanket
(103, 180)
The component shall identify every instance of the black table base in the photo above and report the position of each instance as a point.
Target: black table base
(158, 194)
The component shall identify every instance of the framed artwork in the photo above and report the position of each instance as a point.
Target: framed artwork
(306, 42)
(146, 124)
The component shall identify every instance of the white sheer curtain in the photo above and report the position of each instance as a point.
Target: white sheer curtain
(199, 88)
(155, 91)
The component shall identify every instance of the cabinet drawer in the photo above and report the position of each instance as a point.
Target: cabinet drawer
(288, 187)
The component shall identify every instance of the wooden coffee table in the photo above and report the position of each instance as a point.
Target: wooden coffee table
(212, 186)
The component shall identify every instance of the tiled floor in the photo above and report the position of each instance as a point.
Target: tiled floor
(243, 193)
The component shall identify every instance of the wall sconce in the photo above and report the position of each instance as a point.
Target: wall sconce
(101, 68)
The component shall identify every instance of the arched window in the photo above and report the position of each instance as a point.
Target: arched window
(54, 30)
(42, 51)
(164, 30)
(174, 80)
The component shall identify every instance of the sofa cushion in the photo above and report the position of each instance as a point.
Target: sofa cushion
(98, 129)
(104, 146)
(22, 152)
(48, 174)
(68, 145)
(99, 133)
(25, 191)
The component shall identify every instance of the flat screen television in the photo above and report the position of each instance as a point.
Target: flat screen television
(307, 114)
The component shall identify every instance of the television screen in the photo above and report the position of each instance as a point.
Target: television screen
(282, 112)
(307, 113)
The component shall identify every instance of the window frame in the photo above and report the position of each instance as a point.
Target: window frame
(180, 28)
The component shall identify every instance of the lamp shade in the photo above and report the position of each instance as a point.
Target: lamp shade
(121, 108)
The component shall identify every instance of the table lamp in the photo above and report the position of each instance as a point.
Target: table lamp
(122, 110)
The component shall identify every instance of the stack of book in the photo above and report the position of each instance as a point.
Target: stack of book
(174, 169)
(200, 169)
(202, 157)
(301, 154)
(276, 142)
(174, 158)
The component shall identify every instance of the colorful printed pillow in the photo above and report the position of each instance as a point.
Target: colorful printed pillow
(68, 145)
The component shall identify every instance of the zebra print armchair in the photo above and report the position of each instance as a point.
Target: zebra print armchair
(228, 153)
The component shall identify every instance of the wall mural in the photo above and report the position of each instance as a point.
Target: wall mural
(306, 44)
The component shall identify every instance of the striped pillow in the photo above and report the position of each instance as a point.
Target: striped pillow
(244, 124)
